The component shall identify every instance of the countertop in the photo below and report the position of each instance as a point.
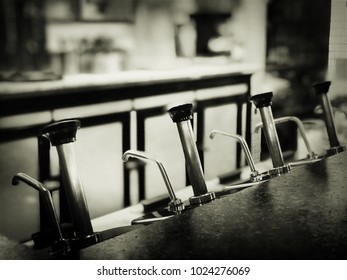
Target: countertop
(11, 250)
(87, 89)
(301, 215)
(80, 81)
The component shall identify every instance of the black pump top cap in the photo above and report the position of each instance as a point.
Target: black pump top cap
(262, 100)
(322, 87)
(61, 132)
(181, 113)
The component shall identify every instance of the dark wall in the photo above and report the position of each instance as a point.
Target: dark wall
(298, 32)
(297, 51)
(22, 31)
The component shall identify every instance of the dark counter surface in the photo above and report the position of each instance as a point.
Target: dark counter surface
(302, 215)
(11, 250)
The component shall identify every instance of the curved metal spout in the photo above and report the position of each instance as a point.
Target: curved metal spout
(46, 196)
(297, 121)
(175, 203)
(244, 147)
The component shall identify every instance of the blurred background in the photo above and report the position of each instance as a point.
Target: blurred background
(103, 36)
(292, 44)
(290, 39)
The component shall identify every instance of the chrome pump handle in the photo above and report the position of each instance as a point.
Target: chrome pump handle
(62, 135)
(182, 115)
(263, 102)
(175, 204)
(322, 90)
(298, 122)
(61, 245)
(245, 148)
(46, 196)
